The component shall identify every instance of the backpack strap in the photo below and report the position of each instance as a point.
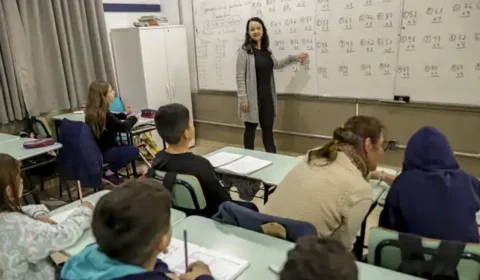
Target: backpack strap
(169, 180)
(445, 262)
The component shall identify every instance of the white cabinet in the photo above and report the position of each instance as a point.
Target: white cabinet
(152, 67)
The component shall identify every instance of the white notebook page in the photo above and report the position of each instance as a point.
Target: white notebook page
(222, 158)
(223, 267)
(246, 165)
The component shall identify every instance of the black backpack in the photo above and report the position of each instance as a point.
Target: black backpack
(442, 265)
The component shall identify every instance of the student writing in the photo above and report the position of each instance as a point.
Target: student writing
(27, 235)
(106, 126)
(132, 227)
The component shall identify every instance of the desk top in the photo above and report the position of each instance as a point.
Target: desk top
(271, 175)
(87, 237)
(7, 137)
(259, 250)
(81, 118)
(70, 116)
(15, 149)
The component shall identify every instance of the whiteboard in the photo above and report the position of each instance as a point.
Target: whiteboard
(439, 57)
(369, 49)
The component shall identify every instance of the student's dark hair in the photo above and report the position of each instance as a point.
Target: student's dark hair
(128, 221)
(249, 43)
(353, 132)
(315, 258)
(9, 172)
(171, 121)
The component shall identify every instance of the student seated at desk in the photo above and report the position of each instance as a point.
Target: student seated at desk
(328, 188)
(432, 197)
(27, 235)
(175, 126)
(132, 227)
(316, 258)
(106, 126)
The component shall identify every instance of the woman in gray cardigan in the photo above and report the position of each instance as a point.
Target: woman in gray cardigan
(257, 97)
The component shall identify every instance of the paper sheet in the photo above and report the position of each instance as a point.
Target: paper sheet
(246, 165)
(62, 216)
(223, 158)
(223, 267)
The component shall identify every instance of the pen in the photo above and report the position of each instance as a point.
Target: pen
(186, 250)
(80, 194)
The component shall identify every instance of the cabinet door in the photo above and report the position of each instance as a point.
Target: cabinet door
(155, 67)
(178, 70)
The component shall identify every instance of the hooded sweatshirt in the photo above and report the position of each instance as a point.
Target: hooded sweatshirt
(432, 197)
(92, 264)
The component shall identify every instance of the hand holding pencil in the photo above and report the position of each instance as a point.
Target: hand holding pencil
(196, 270)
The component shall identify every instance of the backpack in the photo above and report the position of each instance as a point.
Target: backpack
(442, 265)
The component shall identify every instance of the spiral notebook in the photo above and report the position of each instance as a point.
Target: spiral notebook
(223, 267)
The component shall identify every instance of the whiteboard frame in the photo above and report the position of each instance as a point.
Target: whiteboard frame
(196, 86)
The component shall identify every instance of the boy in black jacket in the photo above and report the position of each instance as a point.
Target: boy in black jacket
(175, 126)
(132, 227)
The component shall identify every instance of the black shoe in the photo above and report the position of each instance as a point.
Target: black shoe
(113, 180)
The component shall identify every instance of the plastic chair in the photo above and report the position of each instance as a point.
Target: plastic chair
(187, 192)
(384, 251)
(117, 105)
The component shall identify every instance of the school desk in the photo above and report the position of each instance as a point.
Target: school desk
(272, 175)
(7, 137)
(15, 149)
(143, 125)
(87, 237)
(258, 249)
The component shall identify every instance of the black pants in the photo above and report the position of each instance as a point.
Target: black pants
(266, 112)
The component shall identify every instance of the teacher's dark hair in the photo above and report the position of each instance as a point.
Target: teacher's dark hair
(249, 43)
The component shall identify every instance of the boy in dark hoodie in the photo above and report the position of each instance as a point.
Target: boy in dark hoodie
(132, 227)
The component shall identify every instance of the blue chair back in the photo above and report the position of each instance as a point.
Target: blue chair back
(80, 158)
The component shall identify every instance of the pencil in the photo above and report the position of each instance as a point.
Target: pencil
(80, 194)
(185, 242)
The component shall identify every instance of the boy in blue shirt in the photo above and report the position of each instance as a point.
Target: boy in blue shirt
(132, 227)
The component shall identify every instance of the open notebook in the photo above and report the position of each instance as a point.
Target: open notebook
(237, 164)
(223, 267)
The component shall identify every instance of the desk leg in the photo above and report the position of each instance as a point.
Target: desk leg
(57, 124)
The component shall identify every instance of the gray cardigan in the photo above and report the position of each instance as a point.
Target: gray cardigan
(247, 83)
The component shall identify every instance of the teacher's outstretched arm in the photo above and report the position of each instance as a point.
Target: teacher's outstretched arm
(282, 63)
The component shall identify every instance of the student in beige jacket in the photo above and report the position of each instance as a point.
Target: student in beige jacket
(329, 187)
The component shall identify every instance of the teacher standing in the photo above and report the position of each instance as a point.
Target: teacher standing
(257, 97)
